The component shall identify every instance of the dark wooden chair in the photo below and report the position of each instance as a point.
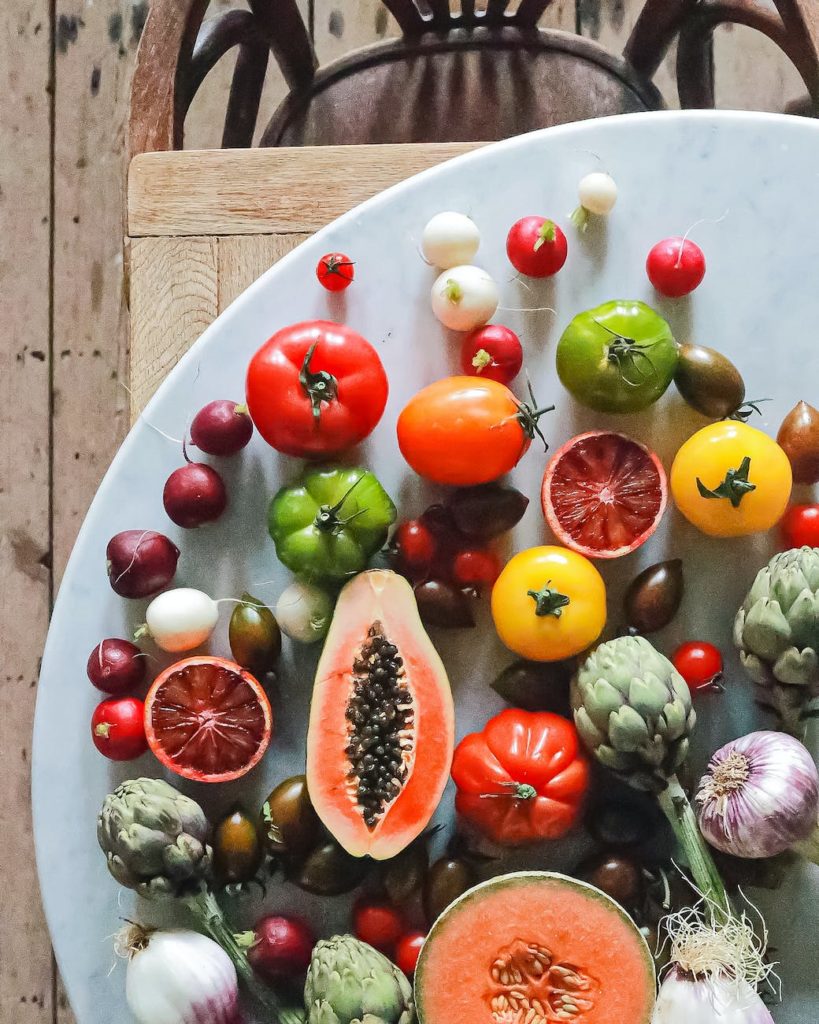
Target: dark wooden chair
(474, 75)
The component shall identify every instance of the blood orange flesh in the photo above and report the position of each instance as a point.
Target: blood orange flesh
(207, 719)
(604, 494)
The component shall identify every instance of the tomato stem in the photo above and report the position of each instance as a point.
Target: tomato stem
(548, 601)
(327, 519)
(744, 412)
(320, 386)
(529, 414)
(734, 487)
(522, 791)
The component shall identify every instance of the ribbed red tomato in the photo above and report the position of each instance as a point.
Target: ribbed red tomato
(316, 389)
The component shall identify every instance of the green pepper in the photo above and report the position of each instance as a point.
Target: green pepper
(618, 357)
(330, 522)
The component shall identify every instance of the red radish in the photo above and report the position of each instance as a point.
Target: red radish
(118, 730)
(536, 247)
(407, 952)
(194, 495)
(415, 546)
(335, 271)
(377, 924)
(140, 562)
(279, 948)
(675, 266)
(492, 351)
(116, 666)
(476, 567)
(221, 428)
(800, 526)
(700, 665)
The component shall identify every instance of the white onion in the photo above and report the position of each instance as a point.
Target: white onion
(180, 977)
(759, 796)
(464, 297)
(303, 612)
(598, 193)
(684, 999)
(181, 619)
(450, 239)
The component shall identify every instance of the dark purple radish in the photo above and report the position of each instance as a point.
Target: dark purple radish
(116, 666)
(278, 948)
(140, 562)
(194, 495)
(221, 428)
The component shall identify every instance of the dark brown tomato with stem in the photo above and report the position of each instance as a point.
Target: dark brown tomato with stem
(254, 635)
(443, 605)
(537, 685)
(653, 598)
(116, 666)
(799, 438)
(617, 875)
(237, 848)
(708, 381)
(487, 511)
(328, 870)
(446, 880)
(288, 823)
(404, 875)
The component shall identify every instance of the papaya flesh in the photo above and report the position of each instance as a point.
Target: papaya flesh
(382, 724)
(535, 947)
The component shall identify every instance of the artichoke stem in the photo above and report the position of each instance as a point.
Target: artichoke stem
(678, 810)
(206, 910)
(790, 712)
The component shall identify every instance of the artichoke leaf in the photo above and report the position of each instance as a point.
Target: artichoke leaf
(628, 730)
(766, 630)
(797, 668)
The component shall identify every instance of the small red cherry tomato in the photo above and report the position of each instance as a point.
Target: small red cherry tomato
(675, 266)
(800, 526)
(415, 546)
(118, 730)
(492, 351)
(335, 271)
(699, 663)
(536, 247)
(377, 924)
(407, 952)
(476, 567)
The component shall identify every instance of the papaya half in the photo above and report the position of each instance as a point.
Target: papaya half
(382, 723)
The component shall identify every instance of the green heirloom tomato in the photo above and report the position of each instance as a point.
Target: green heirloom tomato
(330, 522)
(618, 357)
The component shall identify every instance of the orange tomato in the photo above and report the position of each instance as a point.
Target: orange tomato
(464, 430)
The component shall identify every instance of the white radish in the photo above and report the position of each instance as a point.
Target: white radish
(179, 977)
(598, 194)
(464, 298)
(450, 239)
(181, 619)
(303, 612)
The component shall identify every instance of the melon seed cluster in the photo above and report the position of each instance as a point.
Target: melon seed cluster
(380, 714)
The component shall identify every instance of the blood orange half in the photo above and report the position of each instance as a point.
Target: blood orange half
(604, 494)
(208, 719)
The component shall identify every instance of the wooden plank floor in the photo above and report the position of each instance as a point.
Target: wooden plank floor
(64, 72)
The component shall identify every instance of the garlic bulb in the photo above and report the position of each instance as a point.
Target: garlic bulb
(685, 999)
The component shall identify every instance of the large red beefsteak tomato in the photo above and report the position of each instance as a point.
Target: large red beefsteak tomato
(315, 389)
(523, 778)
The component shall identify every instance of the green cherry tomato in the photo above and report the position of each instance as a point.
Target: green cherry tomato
(618, 357)
(330, 522)
(254, 635)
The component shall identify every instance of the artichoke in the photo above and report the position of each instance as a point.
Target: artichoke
(633, 711)
(154, 838)
(777, 632)
(349, 982)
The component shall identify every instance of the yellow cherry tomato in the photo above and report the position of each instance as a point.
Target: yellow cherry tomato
(730, 480)
(549, 603)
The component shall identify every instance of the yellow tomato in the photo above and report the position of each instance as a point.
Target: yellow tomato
(549, 603)
(730, 480)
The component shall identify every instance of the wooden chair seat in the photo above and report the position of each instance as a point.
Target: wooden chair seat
(466, 86)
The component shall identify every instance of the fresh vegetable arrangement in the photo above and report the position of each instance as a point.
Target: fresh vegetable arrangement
(600, 719)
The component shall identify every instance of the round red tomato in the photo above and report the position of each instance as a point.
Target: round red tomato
(118, 729)
(800, 526)
(476, 567)
(492, 352)
(415, 547)
(675, 266)
(377, 924)
(465, 430)
(699, 663)
(335, 271)
(536, 247)
(315, 389)
(523, 778)
(407, 952)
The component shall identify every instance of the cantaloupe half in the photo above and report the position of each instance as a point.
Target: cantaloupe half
(382, 724)
(535, 948)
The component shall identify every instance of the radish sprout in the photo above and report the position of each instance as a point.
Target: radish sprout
(464, 298)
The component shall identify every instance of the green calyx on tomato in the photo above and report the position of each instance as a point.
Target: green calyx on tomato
(545, 234)
(734, 487)
(330, 522)
(319, 387)
(529, 414)
(548, 601)
(618, 357)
